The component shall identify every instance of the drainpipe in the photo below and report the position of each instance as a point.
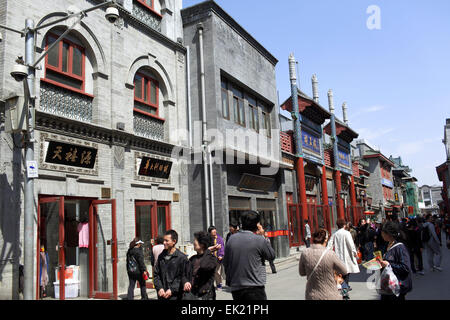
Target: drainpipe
(204, 139)
(188, 83)
(211, 183)
(296, 116)
(337, 172)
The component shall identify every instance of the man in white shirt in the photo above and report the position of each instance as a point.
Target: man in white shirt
(307, 234)
(344, 247)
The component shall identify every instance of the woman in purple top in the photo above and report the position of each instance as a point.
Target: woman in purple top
(217, 240)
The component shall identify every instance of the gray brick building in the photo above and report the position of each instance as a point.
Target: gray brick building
(241, 115)
(110, 113)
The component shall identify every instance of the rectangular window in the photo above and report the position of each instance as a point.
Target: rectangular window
(241, 113)
(147, 3)
(65, 63)
(225, 104)
(146, 95)
(266, 123)
(253, 116)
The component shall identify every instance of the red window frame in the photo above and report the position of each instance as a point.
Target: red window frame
(151, 8)
(143, 101)
(59, 70)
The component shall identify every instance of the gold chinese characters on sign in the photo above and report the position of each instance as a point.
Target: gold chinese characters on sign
(71, 155)
(156, 168)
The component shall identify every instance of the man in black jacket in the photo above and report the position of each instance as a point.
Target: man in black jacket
(170, 269)
(136, 269)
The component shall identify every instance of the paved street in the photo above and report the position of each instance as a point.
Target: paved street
(288, 285)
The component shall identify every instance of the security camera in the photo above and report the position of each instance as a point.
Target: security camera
(19, 72)
(112, 14)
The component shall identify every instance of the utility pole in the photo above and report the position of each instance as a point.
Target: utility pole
(29, 156)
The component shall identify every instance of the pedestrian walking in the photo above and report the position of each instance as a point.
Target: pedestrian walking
(380, 244)
(344, 247)
(233, 228)
(360, 238)
(369, 235)
(245, 254)
(320, 265)
(217, 240)
(397, 257)
(157, 249)
(414, 245)
(307, 234)
(431, 244)
(350, 228)
(170, 269)
(200, 271)
(136, 269)
(263, 233)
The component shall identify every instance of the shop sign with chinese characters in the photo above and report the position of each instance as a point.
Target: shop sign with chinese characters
(344, 158)
(152, 168)
(311, 143)
(68, 154)
(71, 155)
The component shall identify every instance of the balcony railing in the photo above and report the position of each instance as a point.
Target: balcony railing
(65, 103)
(146, 16)
(148, 127)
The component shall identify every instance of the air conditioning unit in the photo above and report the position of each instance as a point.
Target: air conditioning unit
(15, 114)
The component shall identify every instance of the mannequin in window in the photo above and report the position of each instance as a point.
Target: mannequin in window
(43, 272)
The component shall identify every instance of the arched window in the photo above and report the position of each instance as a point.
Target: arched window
(65, 64)
(146, 95)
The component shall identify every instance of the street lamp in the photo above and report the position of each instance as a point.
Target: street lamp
(26, 70)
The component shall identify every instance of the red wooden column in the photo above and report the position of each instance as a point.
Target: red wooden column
(337, 180)
(302, 187)
(326, 212)
(353, 199)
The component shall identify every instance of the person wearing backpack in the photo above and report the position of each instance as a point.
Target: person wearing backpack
(397, 256)
(136, 269)
(431, 244)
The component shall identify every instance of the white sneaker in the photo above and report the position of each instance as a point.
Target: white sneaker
(438, 269)
(421, 273)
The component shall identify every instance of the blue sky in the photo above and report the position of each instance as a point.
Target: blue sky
(395, 80)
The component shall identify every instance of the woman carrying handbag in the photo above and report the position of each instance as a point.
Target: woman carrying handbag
(321, 266)
(397, 258)
(136, 269)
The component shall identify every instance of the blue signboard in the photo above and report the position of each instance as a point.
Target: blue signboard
(344, 158)
(387, 183)
(311, 143)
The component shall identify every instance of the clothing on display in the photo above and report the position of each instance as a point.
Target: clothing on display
(83, 235)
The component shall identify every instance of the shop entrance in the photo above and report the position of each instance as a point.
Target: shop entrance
(74, 235)
(152, 219)
(237, 205)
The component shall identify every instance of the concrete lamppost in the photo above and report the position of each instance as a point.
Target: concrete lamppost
(26, 70)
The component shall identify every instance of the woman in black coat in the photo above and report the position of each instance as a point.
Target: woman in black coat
(136, 269)
(199, 275)
(397, 256)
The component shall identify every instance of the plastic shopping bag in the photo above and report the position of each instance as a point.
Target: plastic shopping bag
(387, 283)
